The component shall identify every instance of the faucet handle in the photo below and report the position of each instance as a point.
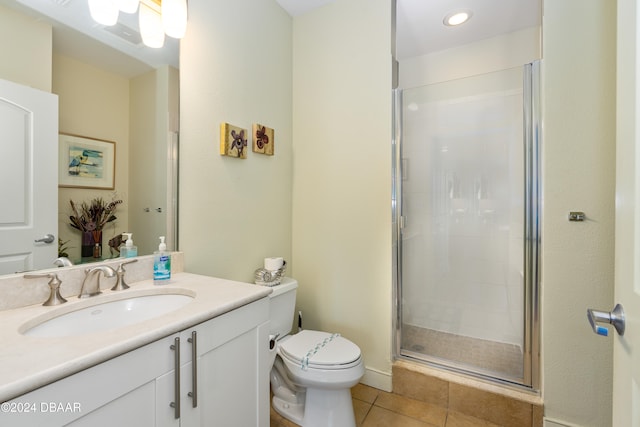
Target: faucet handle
(54, 283)
(120, 283)
(126, 262)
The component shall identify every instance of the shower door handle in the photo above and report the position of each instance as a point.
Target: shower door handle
(615, 318)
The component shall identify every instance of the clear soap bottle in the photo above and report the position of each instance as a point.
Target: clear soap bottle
(161, 264)
(129, 250)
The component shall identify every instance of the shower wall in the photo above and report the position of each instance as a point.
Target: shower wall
(463, 171)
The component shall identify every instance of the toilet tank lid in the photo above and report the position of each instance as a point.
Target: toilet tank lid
(286, 284)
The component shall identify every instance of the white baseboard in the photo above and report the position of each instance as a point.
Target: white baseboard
(377, 379)
(555, 423)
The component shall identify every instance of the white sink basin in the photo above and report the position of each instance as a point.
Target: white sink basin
(109, 315)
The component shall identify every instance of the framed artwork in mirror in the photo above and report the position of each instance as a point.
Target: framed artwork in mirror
(85, 162)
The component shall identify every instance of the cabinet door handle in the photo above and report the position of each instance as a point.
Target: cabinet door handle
(194, 368)
(176, 405)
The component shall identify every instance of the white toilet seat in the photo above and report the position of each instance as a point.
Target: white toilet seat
(320, 350)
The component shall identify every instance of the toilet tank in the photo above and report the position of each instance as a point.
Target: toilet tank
(282, 306)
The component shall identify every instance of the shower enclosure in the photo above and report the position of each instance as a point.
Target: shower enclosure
(466, 215)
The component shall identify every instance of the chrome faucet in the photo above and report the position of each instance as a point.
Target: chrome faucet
(62, 261)
(95, 271)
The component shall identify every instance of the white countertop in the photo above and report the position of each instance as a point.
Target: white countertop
(27, 363)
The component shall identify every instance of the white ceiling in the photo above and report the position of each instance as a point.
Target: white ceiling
(419, 29)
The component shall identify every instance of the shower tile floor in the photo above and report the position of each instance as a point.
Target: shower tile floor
(500, 359)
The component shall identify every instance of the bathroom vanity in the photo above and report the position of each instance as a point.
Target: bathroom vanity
(201, 364)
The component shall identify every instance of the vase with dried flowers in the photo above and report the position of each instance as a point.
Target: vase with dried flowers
(90, 218)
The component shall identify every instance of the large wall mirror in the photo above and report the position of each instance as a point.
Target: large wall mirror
(111, 89)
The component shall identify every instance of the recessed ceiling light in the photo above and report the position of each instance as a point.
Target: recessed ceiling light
(457, 17)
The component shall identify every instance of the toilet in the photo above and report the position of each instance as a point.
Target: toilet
(312, 371)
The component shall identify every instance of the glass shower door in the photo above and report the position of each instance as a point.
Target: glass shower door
(463, 291)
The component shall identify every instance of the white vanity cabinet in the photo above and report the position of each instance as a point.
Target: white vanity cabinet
(228, 383)
(228, 378)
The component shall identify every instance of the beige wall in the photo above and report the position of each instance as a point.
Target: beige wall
(143, 160)
(26, 47)
(235, 212)
(235, 67)
(154, 118)
(579, 174)
(93, 103)
(342, 175)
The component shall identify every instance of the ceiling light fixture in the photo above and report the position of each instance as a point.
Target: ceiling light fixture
(457, 18)
(127, 6)
(103, 12)
(156, 17)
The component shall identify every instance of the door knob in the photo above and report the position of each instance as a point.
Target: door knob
(48, 238)
(615, 318)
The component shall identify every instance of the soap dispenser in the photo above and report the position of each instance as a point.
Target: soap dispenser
(128, 250)
(161, 264)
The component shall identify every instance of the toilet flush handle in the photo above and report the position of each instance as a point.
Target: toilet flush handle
(272, 341)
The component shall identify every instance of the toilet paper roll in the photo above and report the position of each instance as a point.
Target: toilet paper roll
(273, 263)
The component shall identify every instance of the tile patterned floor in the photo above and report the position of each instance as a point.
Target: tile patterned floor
(505, 360)
(376, 408)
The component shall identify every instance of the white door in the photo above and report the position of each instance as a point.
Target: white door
(28, 177)
(626, 381)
